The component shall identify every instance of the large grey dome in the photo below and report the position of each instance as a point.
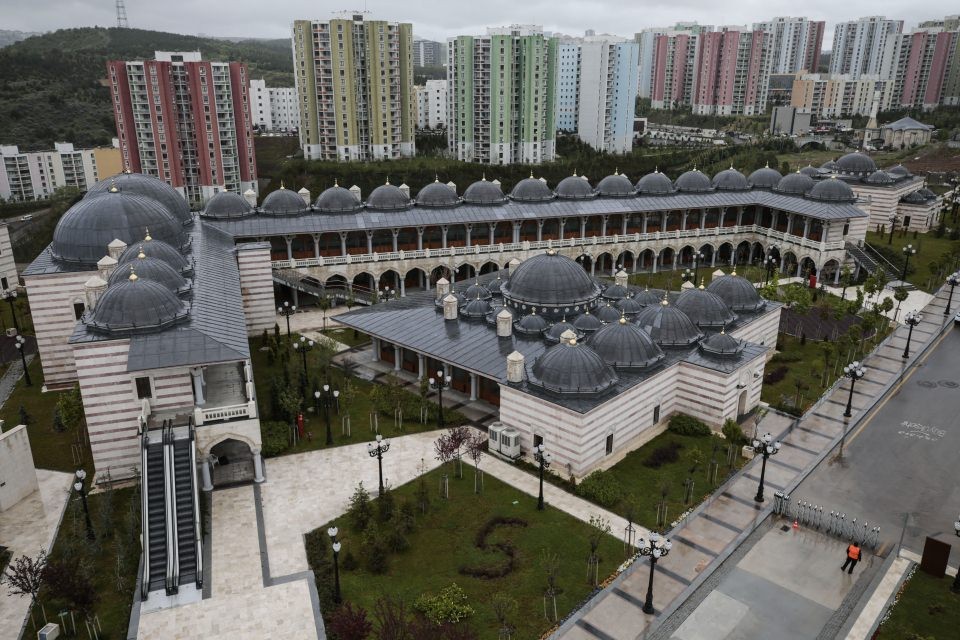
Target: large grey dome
(156, 249)
(153, 269)
(730, 180)
(917, 197)
(856, 164)
(437, 194)
(226, 205)
(532, 324)
(764, 178)
(832, 190)
(336, 199)
(531, 190)
(704, 308)
(655, 184)
(85, 230)
(483, 192)
(810, 171)
(149, 186)
(572, 369)
(549, 279)
(284, 202)
(616, 186)
(575, 188)
(879, 177)
(388, 197)
(738, 293)
(668, 326)
(135, 306)
(722, 345)
(557, 329)
(794, 184)
(693, 181)
(625, 345)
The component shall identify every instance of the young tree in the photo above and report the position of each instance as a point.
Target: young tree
(24, 577)
(449, 446)
(68, 578)
(504, 608)
(350, 623)
(360, 511)
(550, 562)
(900, 294)
(599, 527)
(476, 442)
(392, 622)
(846, 279)
(22, 415)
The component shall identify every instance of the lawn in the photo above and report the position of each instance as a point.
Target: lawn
(935, 257)
(926, 610)
(443, 541)
(349, 337)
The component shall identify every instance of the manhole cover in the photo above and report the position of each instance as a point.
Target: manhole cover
(949, 384)
(929, 384)
(785, 528)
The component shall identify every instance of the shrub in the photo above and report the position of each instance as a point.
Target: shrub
(733, 433)
(349, 623)
(662, 455)
(448, 606)
(276, 438)
(385, 506)
(360, 511)
(786, 357)
(376, 556)
(602, 488)
(776, 375)
(397, 541)
(349, 562)
(685, 425)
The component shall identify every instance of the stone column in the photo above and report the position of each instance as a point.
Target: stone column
(343, 243)
(603, 225)
(469, 228)
(257, 467)
(397, 357)
(623, 225)
(205, 475)
(369, 241)
(656, 259)
(419, 238)
(789, 223)
(583, 228)
(443, 237)
(713, 258)
(703, 219)
(396, 232)
(676, 255)
(289, 241)
(421, 366)
(539, 230)
(561, 224)
(375, 344)
(593, 267)
(403, 288)
(806, 227)
(474, 385)
(752, 250)
(683, 221)
(836, 275)
(739, 216)
(644, 229)
(196, 374)
(316, 246)
(516, 232)
(492, 232)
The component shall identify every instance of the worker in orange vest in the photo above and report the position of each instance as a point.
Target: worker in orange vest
(853, 557)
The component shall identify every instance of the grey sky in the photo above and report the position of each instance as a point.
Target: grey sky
(438, 20)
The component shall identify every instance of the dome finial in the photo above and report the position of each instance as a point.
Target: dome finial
(665, 302)
(701, 283)
(335, 183)
(113, 186)
(140, 255)
(767, 165)
(734, 272)
(147, 238)
(572, 343)
(436, 177)
(623, 318)
(388, 180)
(133, 276)
(531, 173)
(656, 168)
(574, 172)
(282, 185)
(616, 171)
(483, 176)
(723, 329)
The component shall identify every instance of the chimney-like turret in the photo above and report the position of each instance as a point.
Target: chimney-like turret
(116, 248)
(504, 324)
(443, 287)
(450, 307)
(621, 278)
(355, 190)
(515, 367)
(93, 289)
(568, 338)
(305, 194)
(251, 197)
(106, 266)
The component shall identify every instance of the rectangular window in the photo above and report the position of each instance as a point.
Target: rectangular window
(78, 307)
(143, 388)
(656, 414)
(609, 444)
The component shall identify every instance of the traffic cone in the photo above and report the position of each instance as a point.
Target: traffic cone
(796, 524)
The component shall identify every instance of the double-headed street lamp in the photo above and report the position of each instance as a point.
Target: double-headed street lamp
(656, 547)
(21, 344)
(953, 280)
(766, 447)
(543, 458)
(376, 451)
(441, 383)
(697, 258)
(303, 346)
(332, 532)
(770, 264)
(327, 397)
(286, 311)
(854, 371)
(387, 294)
(78, 485)
(912, 319)
(687, 275)
(907, 252)
(10, 295)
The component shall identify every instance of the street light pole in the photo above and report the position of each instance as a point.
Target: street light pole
(78, 485)
(377, 451)
(893, 226)
(953, 280)
(912, 319)
(697, 257)
(21, 344)
(543, 457)
(10, 295)
(286, 311)
(328, 397)
(332, 532)
(907, 252)
(441, 383)
(656, 547)
(854, 371)
(766, 447)
(956, 581)
(303, 346)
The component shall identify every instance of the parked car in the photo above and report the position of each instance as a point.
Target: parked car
(956, 320)
(26, 218)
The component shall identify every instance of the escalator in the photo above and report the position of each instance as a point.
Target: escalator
(185, 476)
(156, 519)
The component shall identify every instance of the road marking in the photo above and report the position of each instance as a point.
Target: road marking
(797, 446)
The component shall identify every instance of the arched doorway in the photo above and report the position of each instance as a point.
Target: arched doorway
(415, 280)
(440, 272)
(742, 403)
(232, 462)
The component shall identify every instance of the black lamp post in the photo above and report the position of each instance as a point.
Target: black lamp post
(440, 383)
(543, 457)
(697, 258)
(303, 346)
(956, 581)
(656, 547)
(332, 532)
(686, 275)
(78, 485)
(327, 397)
(286, 311)
(766, 447)
(771, 264)
(912, 319)
(907, 252)
(22, 348)
(953, 280)
(387, 294)
(10, 295)
(893, 226)
(376, 451)
(854, 371)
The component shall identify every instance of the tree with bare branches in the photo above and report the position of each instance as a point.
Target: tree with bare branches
(24, 577)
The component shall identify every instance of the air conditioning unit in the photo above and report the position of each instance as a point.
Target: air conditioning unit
(49, 631)
(509, 446)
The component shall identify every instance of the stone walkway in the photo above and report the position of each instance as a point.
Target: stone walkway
(717, 527)
(10, 378)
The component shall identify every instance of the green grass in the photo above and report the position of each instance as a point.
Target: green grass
(673, 280)
(930, 249)
(443, 541)
(349, 337)
(926, 610)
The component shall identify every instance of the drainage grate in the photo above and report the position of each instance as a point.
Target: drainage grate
(929, 384)
(785, 528)
(949, 384)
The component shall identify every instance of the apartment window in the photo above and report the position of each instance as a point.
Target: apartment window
(144, 389)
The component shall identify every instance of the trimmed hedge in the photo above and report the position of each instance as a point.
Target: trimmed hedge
(602, 488)
(684, 425)
(665, 454)
(276, 437)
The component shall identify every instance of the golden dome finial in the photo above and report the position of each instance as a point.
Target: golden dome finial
(616, 171)
(113, 186)
(282, 186)
(436, 178)
(141, 255)
(133, 275)
(734, 272)
(656, 168)
(531, 173)
(388, 180)
(768, 164)
(573, 342)
(665, 302)
(701, 283)
(723, 330)
(574, 172)
(483, 176)
(147, 238)
(623, 318)
(336, 183)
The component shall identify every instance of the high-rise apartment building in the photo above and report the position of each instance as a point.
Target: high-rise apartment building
(865, 47)
(35, 175)
(354, 81)
(502, 96)
(274, 108)
(428, 53)
(947, 23)
(432, 104)
(731, 72)
(608, 93)
(830, 96)
(674, 67)
(648, 61)
(927, 69)
(568, 84)
(794, 43)
(186, 121)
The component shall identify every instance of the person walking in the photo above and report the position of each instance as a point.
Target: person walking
(853, 557)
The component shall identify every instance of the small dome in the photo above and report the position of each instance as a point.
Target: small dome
(915, 197)
(226, 205)
(337, 199)
(83, 233)
(495, 309)
(483, 192)
(832, 190)
(794, 184)
(655, 184)
(575, 188)
(926, 193)
(856, 164)
(437, 194)
(531, 190)
(810, 171)
(607, 313)
(629, 306)
(549, 279)
(764, 178)
(722, 345)
(649, 296)
(625, 345)
(153, 269)
(135, 306)
(143, 185)
(693, 181)
(557, 329)
(476, 308)
(738, 293)
(704, 308)
(476, 291)
(668, 326)
(388, 197)
(587, 322)
(879, 177)
(615, 292)
(156, 249)
(572, 369)
(830, 166)
(616, 186)
(283, 202)
(493, 286)
(899, 171)
(730, 180)
(532, 325)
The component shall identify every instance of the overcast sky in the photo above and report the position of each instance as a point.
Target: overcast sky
(439, 19)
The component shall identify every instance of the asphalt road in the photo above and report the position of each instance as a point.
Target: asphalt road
(906, 459)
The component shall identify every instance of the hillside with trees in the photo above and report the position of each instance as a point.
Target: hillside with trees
(52, 86)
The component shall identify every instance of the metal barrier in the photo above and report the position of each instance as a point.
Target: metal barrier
(835, 523)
